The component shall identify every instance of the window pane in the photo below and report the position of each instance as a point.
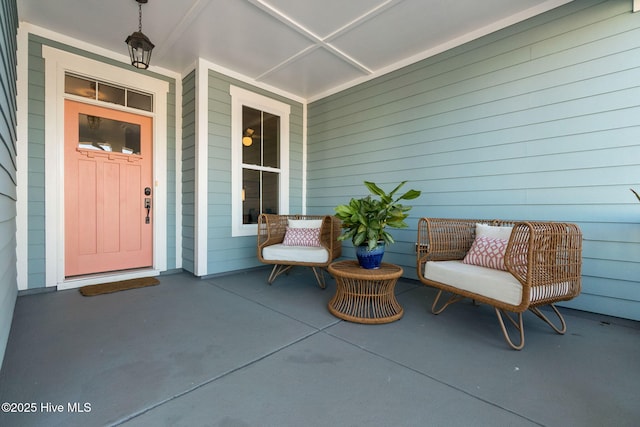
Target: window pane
(271, 140)
(138, 100)
(78, 86)
(250, 196)
(270, 199)
(251, 124)
(110, 93)
(99, 133)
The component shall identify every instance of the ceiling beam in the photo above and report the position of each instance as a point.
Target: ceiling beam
(320, 41)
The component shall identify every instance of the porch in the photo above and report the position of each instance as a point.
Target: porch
(234, 351)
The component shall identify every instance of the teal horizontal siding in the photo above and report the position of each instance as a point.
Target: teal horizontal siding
(172, 183)
(8, 151)
(36, 261)
(188, 171)
(536, 121)
(224, 252)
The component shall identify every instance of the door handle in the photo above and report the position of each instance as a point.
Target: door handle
(147, 206)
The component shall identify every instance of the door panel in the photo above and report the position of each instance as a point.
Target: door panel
(87, 218)
(108, 161)
(133, 191)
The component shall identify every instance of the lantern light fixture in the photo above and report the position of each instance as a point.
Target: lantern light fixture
(140, 46)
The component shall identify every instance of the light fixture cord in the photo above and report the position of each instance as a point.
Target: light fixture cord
(140, 17)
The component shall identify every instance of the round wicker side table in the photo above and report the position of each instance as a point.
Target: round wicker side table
(365, 296)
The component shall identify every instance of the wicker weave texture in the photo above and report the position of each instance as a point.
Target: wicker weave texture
(545, 257)
(271, 230)
(365, 296)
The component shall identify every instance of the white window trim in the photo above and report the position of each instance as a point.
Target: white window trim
(239, 98)
(57, 62)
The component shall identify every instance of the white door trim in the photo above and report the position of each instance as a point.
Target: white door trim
(57, 62)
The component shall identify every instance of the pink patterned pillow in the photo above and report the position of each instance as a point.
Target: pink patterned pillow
(301, 237)
(487, 252)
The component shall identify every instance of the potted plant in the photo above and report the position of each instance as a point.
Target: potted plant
(634, 192)
(365, 220)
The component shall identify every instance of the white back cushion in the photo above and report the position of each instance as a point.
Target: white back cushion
(492, 231)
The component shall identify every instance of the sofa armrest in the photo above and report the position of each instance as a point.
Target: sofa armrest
(271, 229)
(331, 227)
(546, 258)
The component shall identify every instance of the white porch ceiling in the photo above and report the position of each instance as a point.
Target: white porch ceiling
(305, 48)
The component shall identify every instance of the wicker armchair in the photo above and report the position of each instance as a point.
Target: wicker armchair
(544, 257)
(271, 232)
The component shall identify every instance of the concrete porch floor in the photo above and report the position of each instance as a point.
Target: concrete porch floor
(233, 351)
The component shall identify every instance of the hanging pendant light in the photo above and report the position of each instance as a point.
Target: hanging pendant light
(140, 46)
(247, 137)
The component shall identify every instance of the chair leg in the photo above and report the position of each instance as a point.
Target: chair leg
(453, 299)
(277, 270)
(319, 276)
(517, 324)
(563, 326)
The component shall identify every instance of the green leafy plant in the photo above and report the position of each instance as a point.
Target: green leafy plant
(634, 192)
(364, 220)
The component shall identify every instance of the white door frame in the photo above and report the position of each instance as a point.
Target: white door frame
(57, 62)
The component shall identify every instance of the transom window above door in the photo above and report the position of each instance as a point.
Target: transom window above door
(107, 92)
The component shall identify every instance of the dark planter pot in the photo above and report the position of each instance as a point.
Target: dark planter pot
(370, 259)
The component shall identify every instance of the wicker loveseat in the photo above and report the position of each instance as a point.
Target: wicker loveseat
(273, 249)
(542, 266)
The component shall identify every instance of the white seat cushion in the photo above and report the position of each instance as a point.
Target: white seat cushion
(496, 284)
(282, 252)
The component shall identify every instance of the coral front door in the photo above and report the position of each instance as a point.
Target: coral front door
(108, 190)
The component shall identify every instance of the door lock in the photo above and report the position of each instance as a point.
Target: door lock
(147, 206)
